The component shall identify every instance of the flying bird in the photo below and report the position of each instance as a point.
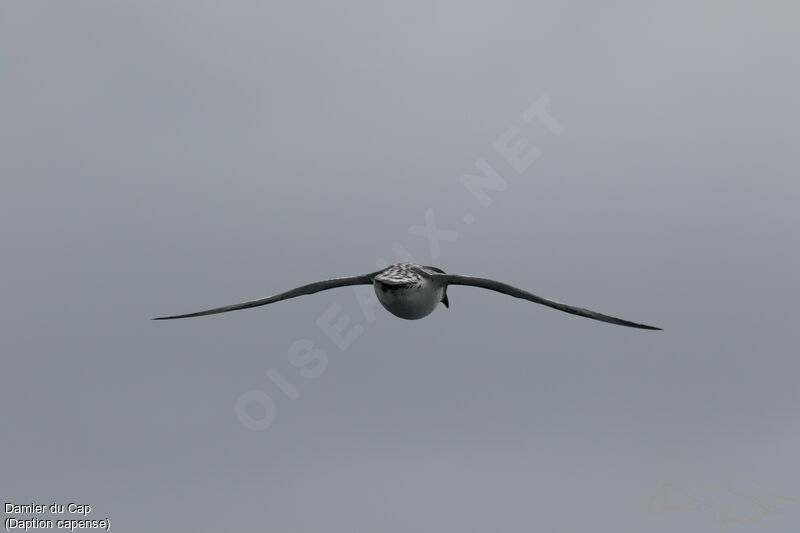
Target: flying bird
(413, 291)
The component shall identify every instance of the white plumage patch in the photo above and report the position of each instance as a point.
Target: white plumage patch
(406, 273)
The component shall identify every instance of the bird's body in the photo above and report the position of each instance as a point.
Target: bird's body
(413, 291)
(408, 291)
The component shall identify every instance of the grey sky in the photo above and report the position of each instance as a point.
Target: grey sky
(167, 157)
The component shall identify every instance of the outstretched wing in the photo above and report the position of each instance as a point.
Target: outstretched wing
(504, 288)
(311, 288)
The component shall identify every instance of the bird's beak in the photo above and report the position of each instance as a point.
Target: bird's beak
(445, 301)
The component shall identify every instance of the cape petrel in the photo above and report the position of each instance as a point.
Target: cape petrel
(413, 291)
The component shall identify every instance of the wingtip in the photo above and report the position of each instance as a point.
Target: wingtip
(188, 315)
(642, 326)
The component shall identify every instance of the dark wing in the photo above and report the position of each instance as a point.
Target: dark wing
(311, 288)
(504, 288)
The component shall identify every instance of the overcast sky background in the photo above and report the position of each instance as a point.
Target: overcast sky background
(165, 157)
